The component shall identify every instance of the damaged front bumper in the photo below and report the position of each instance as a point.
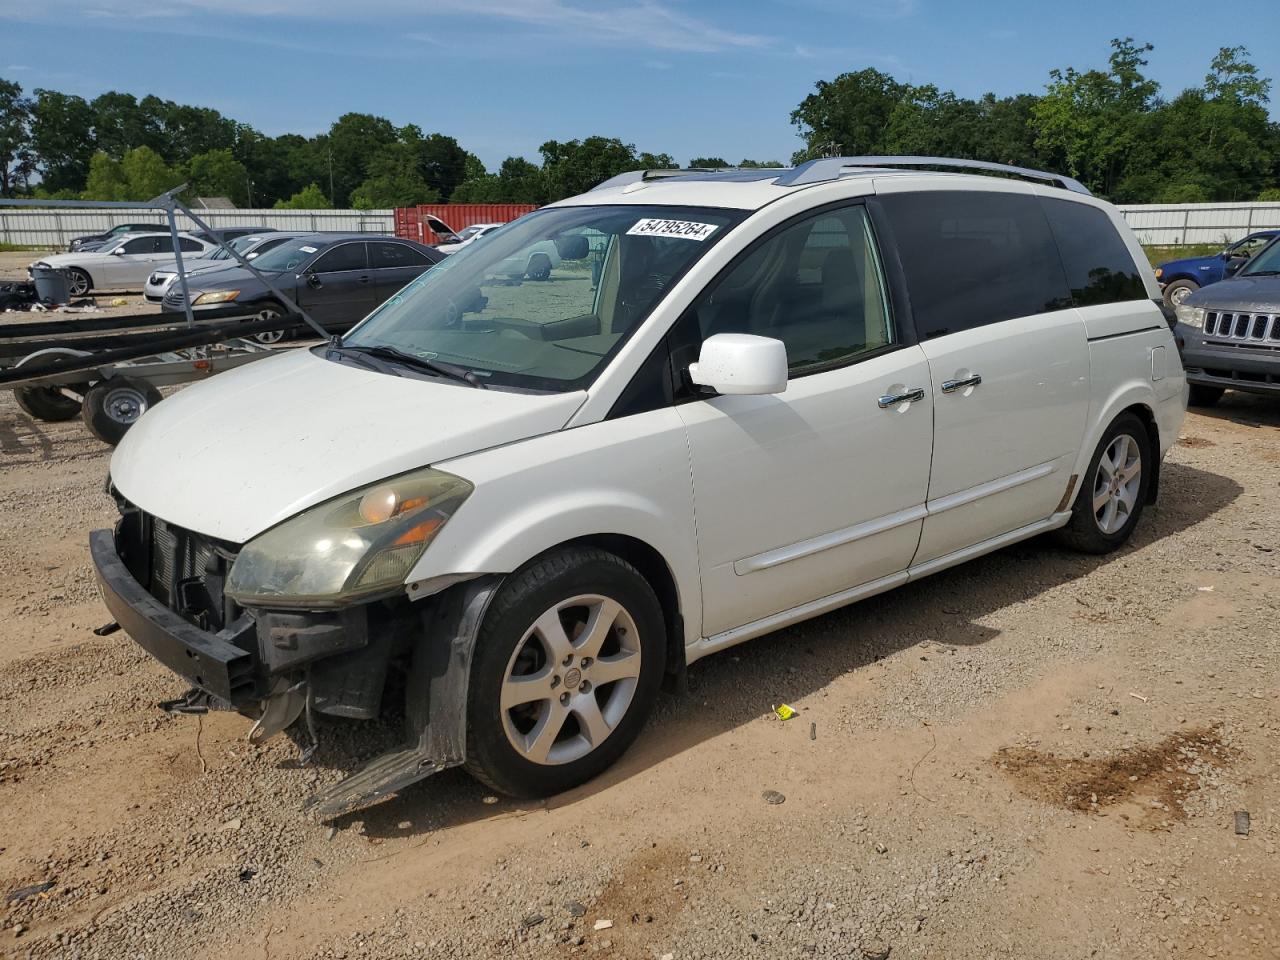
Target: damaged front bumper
(270, 664)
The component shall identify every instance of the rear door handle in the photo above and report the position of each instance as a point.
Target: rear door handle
(365, 279)
(951, 386)
(893, 399)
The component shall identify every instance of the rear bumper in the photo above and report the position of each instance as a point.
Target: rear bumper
(221, 663)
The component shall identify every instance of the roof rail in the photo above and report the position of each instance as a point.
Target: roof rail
(831, 168)
(635, 176)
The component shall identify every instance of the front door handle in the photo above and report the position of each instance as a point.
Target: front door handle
(951, 386)
(893, 399)
(365, 279)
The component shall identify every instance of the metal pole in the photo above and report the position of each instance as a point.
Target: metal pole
(284, 298)
(182, 272)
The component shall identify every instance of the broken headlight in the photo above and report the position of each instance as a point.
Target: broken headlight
(355, 546)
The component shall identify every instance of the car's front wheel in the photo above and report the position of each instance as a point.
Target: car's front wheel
(567, 667)
(1114, 488)
(1178, 291)
(79, 282)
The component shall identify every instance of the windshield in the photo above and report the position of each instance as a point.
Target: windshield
(288, 256)
(112, 244)
(239, 245)
(547, 300)
(1265, 261)
(469, 232)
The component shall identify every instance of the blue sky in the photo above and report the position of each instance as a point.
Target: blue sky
(714, 77)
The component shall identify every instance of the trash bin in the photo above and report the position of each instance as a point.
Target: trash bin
(52, 284)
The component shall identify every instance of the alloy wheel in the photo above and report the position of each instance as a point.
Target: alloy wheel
(1117, 483)
(570, 680)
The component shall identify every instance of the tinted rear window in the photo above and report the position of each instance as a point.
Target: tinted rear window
(973, 258)
(1098, 264)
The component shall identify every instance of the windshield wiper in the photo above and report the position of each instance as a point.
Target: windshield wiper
(1260, 273)
(438, 367)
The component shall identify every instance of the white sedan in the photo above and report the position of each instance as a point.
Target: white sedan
(124, 263)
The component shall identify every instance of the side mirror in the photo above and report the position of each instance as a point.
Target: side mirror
(741, 364)
(313, 281)
(573, 247)
(1234, 264)
(118, 252)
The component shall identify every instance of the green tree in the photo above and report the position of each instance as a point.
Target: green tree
(712, 163)
(106, 181)
(757, 164)
(848, 115)
(576, 166)
(473, 168)
(521, 182)
(395, 180)
(354, 140)
(217, 173)
(62, 139)
(17, 161)
(483, 189)
(310, 197)
(1089, 123)
(1270, 195)
(120, 124)
(442, 163)
(147, 174)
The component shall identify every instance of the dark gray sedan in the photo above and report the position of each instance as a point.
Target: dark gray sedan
(337, 278)
(1229, 332)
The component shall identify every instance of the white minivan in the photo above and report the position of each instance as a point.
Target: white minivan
(741, 399)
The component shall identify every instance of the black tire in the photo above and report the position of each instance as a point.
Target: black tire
(1179, 290)
(1086, 532)
(539, 267)
(46, 403)
(114, 405)
(1202, 395)
(79, 283)
(527, 594)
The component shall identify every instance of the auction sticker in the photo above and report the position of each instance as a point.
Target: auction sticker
(679, 229)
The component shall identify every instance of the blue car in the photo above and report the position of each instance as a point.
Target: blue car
(1181, 278)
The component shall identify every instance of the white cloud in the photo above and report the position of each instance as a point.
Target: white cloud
(16, 68)
(648, 24)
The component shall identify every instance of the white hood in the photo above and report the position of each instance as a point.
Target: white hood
(238, 454)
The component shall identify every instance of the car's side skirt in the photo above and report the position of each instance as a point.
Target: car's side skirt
(815, 608)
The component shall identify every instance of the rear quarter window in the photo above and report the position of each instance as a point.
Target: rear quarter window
(1099, 266)
(971, 258)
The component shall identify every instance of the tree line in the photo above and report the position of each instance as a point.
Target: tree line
(1109, 128)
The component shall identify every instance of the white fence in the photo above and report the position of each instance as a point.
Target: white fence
(1157, 223)
(1179, 223)
(33, 227)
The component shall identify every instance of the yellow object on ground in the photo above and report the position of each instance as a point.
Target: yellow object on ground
(784, 712)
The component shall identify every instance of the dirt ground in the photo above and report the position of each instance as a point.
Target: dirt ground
(1036, 755)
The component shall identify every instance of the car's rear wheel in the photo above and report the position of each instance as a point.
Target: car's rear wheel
(567, 668)
(1114, 490)
(79, 282)
(1201, 395)
(1178, 291)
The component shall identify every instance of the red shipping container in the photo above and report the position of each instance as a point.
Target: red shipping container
(411, 223)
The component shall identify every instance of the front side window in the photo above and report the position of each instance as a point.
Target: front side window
(1249, 245)
(187, 245)
(1265, 263)
(974, 257)
(544, 303)
(1099, 267)
(345, 256)
(816, 285)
